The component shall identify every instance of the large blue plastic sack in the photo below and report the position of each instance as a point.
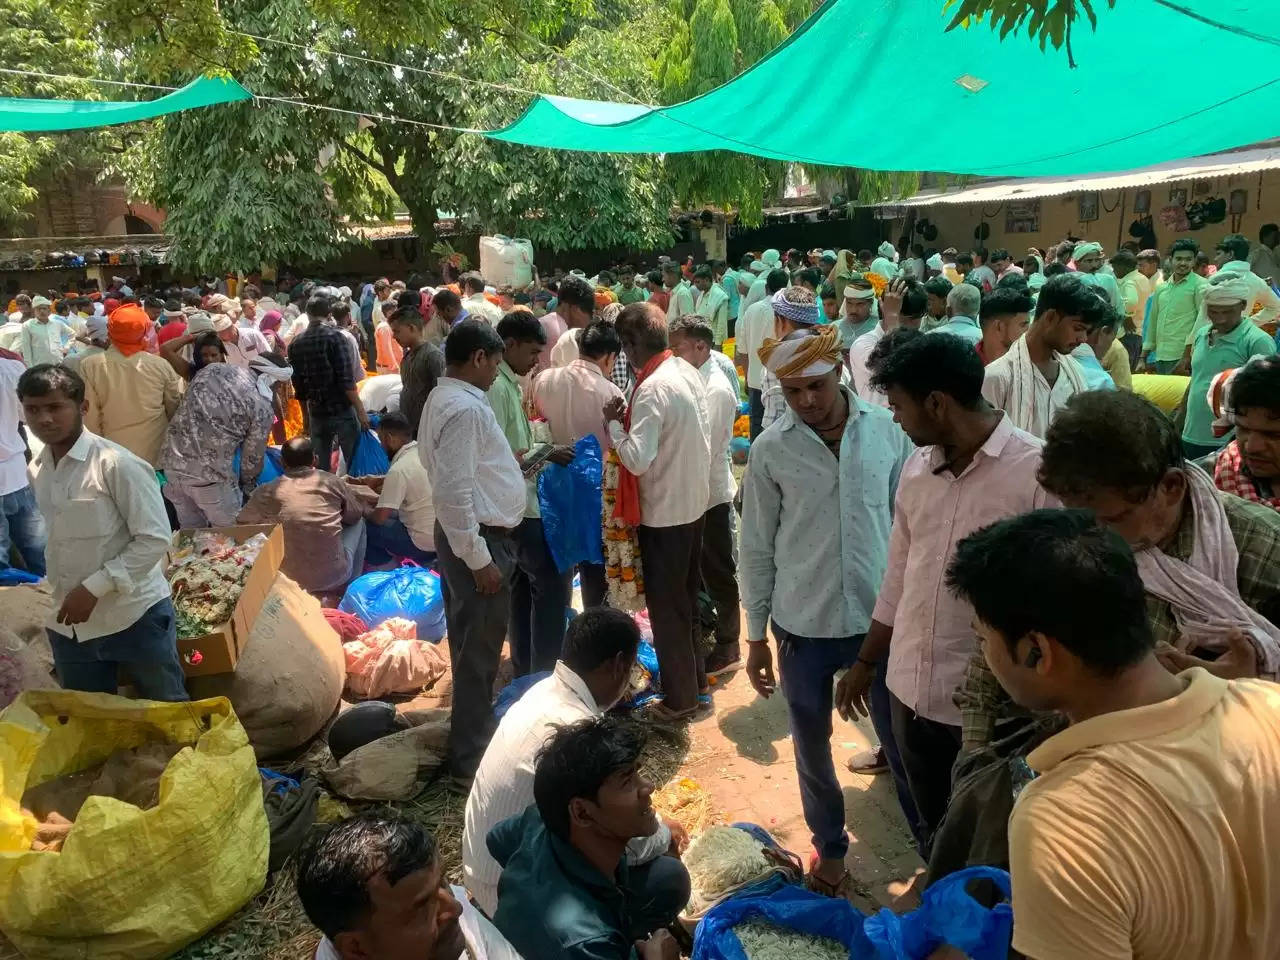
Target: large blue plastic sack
(272, 465)
(369, 459)
(947, 914)
(789, 906)
(408, 591)
(12, 577)
(571, 506)
(513, 691)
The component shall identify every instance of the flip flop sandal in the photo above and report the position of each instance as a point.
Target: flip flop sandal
(837, 891)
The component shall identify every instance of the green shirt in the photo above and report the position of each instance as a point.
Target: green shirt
(625, 296)
(507, 401)
(1210, 355)
(1175, 311)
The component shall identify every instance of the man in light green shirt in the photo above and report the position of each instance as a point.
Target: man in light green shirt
(1175, 311)
(539, 591)
(626, 290)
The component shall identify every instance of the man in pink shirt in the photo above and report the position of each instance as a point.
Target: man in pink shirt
(973, 467)
(572, 399)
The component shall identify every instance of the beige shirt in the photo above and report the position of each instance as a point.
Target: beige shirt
(1154, 833)
(407, 490)
(131, 399)
(572, 398)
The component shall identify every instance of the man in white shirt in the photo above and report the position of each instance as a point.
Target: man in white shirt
(479, 495)
(680, 292)
(575, 307)
(571, 399)
(1036, 378)
(22, 525)
(473, 299)
(108, 535)
(1233, 258)
(44, 336)
(402, 526)
(592, 675)
(754, 324)
(754, 280)
(711, 302)
(666, 445)
(374, 885)
(243, 344)
(691, 341)
(903, 305)
(1262, 255)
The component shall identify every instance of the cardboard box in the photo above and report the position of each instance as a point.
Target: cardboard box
(220, 649)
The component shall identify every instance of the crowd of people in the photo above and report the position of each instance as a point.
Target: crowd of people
(961, 517)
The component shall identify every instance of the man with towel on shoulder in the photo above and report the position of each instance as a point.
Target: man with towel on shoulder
(1036, 378)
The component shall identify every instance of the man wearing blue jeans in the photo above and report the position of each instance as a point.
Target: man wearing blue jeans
(324, 384)
(108, 535)
(816, 517)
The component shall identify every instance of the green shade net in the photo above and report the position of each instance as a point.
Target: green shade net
(881, 84)
(19, 114)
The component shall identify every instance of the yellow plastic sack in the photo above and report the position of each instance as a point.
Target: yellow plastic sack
(129, 884)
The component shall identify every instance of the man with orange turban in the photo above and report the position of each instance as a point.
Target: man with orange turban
(130, 393)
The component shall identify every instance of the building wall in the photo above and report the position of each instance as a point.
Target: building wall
(1061, 215)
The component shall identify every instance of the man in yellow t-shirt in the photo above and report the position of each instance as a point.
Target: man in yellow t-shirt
(1153, 829)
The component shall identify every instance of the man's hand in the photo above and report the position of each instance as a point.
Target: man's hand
(614, 409)
(1240, 661)
(679, 838)
(660, 946)
(853, 692)
(891, 300)
(760, 668)
(77, 607)
(488, 579)
(363, 418)
(1182, 368)
(562, 456)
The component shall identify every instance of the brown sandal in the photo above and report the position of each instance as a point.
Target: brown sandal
(837, 891)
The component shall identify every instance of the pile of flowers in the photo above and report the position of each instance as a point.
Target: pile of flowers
(206, 573)
(621, 548)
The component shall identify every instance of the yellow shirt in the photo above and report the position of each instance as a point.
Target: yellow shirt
(130, 399)
(1154, 833)
(1131, 299)
(1116, 363)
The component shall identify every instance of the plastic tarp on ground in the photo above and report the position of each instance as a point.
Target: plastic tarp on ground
(26, 115)
(881, 84)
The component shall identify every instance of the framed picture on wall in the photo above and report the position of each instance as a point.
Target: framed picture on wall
(1142, 201)
(1178, 195)
(1238, 202)
(1088, 204)
(1022, 216)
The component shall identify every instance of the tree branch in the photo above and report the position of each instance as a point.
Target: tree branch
(388, 170)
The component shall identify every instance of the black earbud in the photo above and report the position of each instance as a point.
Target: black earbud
(1033, 657)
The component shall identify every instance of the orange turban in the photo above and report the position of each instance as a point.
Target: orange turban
(604, 297)
(127, 328)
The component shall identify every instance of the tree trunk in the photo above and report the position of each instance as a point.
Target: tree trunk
(422, 213)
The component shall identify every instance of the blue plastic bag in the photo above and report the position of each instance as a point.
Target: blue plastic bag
(12, 577)
(369, 459)
(570, 500)
(789, 906)
(947, 914)
(408, 591)
(272, 465)
(513, 691)
(647, 658)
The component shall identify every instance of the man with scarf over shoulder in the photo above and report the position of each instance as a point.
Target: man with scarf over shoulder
(663, 442)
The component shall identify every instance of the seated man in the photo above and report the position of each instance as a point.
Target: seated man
(567, 890)
(1152, 831)
(402, 525)
(1249, 466)
(591, 676)
(323, 518)
(375, 887)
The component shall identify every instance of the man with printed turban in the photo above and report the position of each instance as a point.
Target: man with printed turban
(815, 543)
(1227, 342)
(794, 308)
(130, 394)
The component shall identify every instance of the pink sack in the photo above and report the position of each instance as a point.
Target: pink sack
(390, 659)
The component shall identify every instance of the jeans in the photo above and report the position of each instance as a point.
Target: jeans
(719, 576)
(342, 429)
(669, 558)
(148, 650)
(355, 540)
(928, 749)
(1165, 366)
(23, 528)
(1133, 345)
(656, 893)
(203, 504)
(755, 401)
(808, 667)
(391, 541)
(477, 625)
(540, 595)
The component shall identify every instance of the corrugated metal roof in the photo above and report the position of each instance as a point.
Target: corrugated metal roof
(1198, 168)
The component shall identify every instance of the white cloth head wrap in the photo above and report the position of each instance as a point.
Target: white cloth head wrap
(1084, 248)
(268, 374)
(1225, 288)
(858, 293)
(886, 250)
(771, 257)
(934, 262)
(759, 266)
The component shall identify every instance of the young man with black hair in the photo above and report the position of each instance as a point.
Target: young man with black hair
(678, 289)
(480, 498)
(325, 387)
(1002, 263)
(1263, 306)
(1249, 466)
(1262, 255)
(1038, 376)
(1176, 307)
(402, 524)
(1131, 286)
(626, 290)
(592, 675)
(421, 365)
(447, 305)
(711, 302)
(569, 850)
(973, 466)
(936, 289)
(107, 540)
(981, 274)
(1151, 829)
(574, 310)
(375, 887)
(1004, 315)
(473, 298)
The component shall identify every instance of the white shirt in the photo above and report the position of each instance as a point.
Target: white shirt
(358, 372)
(997, 385)
(474, 476)
(884, 267)
(503, 786)
(42, 342)
(13, 461)
(755, 293)
(753, 327)
(407, 490)
(246, 347)
(1263, 296)
(11, 335)
(722, 410)
(107, 530)
(478, 306)
(381, 391)
(681, 301)
(566, 349)
(859, 353)
(669, 445)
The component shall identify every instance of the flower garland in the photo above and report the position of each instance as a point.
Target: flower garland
(622, 570)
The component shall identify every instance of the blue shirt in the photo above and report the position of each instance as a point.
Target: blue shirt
(730, 283)
(966, 328)
(804, 511)
(1209, 357)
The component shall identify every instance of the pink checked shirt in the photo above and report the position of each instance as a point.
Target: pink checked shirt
(933, 635)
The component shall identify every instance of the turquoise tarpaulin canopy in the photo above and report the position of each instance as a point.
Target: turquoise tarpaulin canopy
(24, 115)
(881, 84)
